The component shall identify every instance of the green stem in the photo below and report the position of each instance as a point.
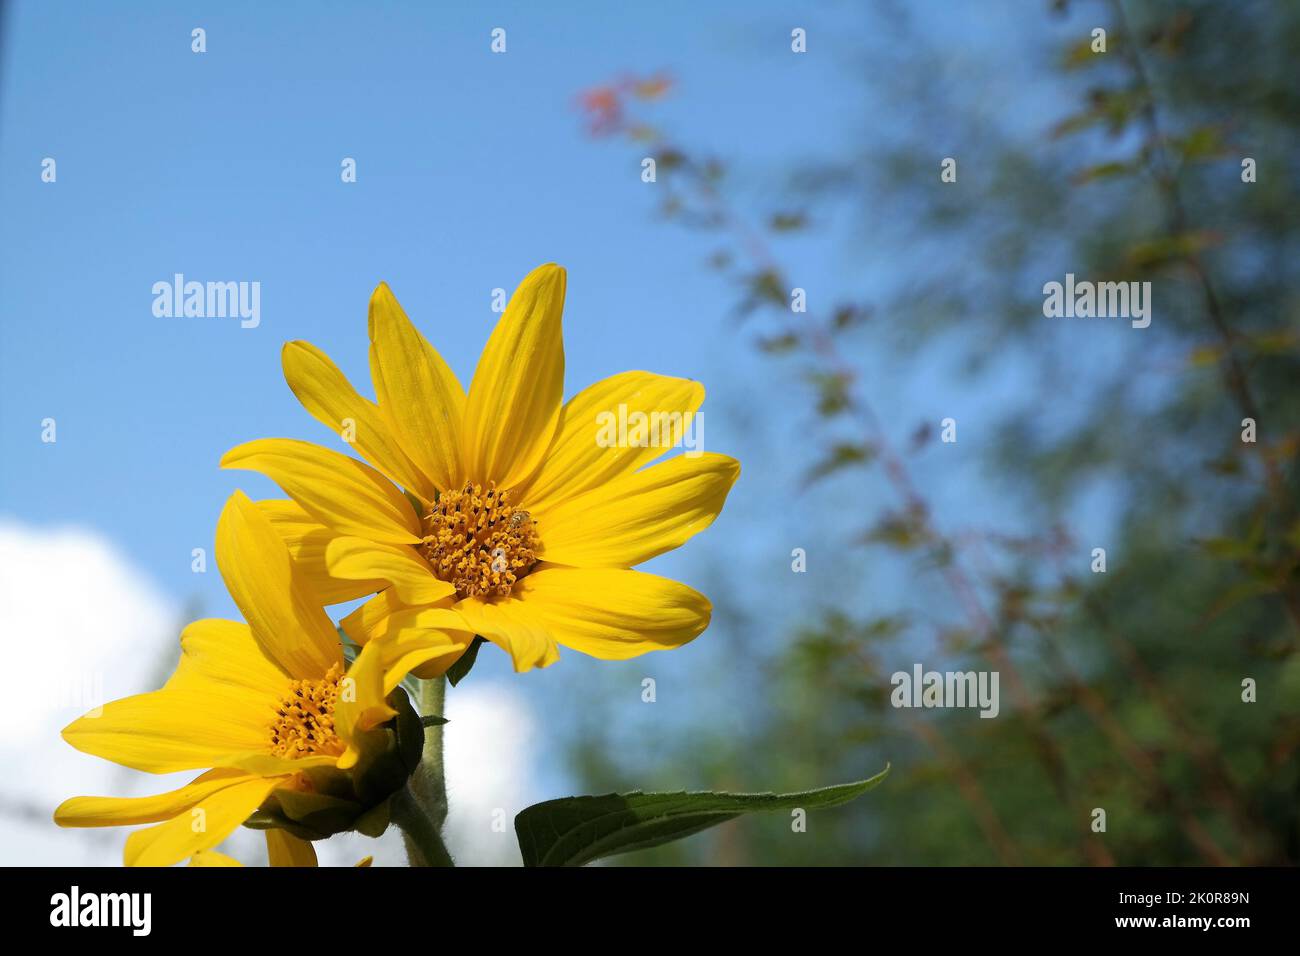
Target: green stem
(420, 808)
(424, 846)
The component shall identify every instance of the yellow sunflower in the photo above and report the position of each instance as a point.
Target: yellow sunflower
(505, 512)
(291, 734)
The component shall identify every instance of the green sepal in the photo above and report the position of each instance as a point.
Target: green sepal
(375, 821)
(386, 759)
(456, 673)
(408, 728)
(317, 811)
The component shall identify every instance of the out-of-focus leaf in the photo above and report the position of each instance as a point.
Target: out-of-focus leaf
(899, 530)
(832, 392)
(1278, 342)
(1204, 142)
(788, 221)
(1224, 465)
(768, 285)
(765, 287)
(719, 260)
(1165, 249)
(1243, 591)
(668, 159)
(848, 315)
(1109, 170)
(1080, 54)
(842, 455)
(779, 344)
(1111, 108)
(1204, 355)
(1231, 548)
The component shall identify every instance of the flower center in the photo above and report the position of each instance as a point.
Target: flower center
(304, 722)
(478, 542)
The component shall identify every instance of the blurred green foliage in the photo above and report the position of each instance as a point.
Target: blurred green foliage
(1120, 690)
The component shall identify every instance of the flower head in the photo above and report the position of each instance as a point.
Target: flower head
(503, 512)
(292, 736)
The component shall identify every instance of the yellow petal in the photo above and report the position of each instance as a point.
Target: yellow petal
(582, 457)
(212, 858)
(417, 390)
(327, 394)
(285, 849)
(339, 492)
(365, 861)
(202, 827)
(360, 706)
(129, 811)
(398, 565)
(512, 626)
(371, 619)
(169, 730)
(421, 641)
(514, 399)
(426, 655)
(613, 614)
(263, 764)
(307, 540)
(217, 653)
(286, 618)
(635, 517)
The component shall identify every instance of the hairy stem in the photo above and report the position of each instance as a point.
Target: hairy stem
(420, 808)
(424, 846)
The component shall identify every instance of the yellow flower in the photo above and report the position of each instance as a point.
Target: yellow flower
(282, 849)
(290, 736)
(518, 516)
(213, 858)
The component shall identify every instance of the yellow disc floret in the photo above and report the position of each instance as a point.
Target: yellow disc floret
(478, 542)
(304, 722)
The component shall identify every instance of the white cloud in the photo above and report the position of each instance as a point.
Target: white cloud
(490, 742)
(80, 626)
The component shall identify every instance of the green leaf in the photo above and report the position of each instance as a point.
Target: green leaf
(669, 159)
(572, 831)
(842, 455)
(1230, 548)
(779, 344)
(1204, 142)
(456, 673)
(788, 221)
(1105, 171)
